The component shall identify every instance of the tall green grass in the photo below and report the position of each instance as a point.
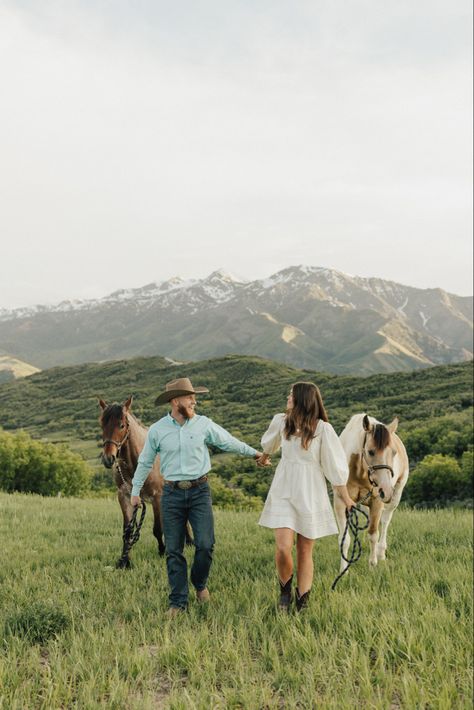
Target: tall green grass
(395, 637)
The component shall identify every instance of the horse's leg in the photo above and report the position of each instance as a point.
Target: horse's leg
(384, 523)
(123, 562)
(157, 525)
(376, 510)
(340, 513)
(388, 511)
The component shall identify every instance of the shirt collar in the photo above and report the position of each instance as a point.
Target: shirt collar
(188, 422)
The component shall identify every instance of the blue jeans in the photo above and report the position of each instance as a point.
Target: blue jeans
(177, 508)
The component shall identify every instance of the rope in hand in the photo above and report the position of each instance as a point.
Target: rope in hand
(354, 525)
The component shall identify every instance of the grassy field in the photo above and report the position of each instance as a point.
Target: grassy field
(396, 637)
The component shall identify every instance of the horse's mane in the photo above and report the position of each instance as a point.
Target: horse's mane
(381, 436)
(112, 412)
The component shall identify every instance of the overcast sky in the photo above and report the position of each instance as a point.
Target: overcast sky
(143, 140)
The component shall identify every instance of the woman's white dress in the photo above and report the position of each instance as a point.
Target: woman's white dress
(298, 497)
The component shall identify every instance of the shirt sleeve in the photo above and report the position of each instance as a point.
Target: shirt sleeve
(333, 457)
(145, 462)
(218, 436)
(271, 440)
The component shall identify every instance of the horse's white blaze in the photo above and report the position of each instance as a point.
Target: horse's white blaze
(385, 485)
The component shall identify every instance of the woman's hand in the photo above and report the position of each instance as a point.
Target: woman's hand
(135, 501)
(342, 492)
(349, 503)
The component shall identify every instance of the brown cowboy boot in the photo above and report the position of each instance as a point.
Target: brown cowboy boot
(302, 599)
(173, 612)
(285, 595)
(203, 595)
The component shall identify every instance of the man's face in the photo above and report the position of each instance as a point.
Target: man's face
(186, 405)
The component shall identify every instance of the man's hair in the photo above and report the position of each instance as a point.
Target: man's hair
(308, 409)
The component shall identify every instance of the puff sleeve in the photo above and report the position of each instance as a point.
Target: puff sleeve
(271, 440)
(333, 457)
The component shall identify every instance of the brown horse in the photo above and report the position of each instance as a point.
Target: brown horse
(123, 439)
(378, 471)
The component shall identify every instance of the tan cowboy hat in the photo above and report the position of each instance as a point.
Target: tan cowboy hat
(178, 388)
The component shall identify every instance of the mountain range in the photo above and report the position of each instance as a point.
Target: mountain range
(308, 317)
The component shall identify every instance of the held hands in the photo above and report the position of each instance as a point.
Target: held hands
(262, 459)
(135, 501)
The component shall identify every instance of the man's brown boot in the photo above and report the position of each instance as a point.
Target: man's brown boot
(203, 595)
(173, 612)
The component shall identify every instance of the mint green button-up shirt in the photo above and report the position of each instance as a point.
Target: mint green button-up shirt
(183, 449)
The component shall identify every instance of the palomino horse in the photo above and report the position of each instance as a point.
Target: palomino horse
(378, 472)
(123, 439)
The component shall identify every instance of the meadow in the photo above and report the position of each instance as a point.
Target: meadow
(78, 633)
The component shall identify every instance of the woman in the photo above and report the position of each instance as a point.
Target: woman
(298, 501)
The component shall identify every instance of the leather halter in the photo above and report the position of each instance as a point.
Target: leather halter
(375, 467)
(118, 444)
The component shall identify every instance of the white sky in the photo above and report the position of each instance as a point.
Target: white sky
(143, 140)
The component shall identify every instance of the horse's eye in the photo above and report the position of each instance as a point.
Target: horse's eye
(371, 452)
(122, 426)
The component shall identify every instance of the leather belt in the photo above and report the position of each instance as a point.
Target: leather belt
(184, 485)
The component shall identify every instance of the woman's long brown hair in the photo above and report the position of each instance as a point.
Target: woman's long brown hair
(308, 409)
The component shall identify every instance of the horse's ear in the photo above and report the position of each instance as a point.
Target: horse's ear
(392, 427)
(102, 404)
(366, 423)
(128, 404)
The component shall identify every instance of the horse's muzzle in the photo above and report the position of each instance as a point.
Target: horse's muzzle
(386, 496)
(108, 461)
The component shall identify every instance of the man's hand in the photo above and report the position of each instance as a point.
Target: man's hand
(135, 501)
(262, 459)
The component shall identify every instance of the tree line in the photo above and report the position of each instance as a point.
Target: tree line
(434, 405)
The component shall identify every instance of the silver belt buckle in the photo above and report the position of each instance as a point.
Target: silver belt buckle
(184, 485)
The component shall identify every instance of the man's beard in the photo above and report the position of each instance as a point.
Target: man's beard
(185, 412)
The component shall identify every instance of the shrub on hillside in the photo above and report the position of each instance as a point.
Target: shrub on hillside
(32, 466)
(440, 480)
(450, 435)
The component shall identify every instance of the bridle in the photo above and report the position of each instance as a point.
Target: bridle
(118, 444)
(374, 467)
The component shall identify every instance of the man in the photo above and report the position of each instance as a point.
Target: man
(181, 439)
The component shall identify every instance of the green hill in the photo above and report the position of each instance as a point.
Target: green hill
(60, 404)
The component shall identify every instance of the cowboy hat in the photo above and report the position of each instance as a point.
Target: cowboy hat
(178, 388)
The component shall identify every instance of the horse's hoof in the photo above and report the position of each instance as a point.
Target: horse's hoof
(190, 542)
(161, 551)
(372, 564)
(123, 564)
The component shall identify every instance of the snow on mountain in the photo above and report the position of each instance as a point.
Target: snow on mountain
(304, 282)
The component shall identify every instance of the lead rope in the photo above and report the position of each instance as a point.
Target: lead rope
(353, 524)
(131, 533)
